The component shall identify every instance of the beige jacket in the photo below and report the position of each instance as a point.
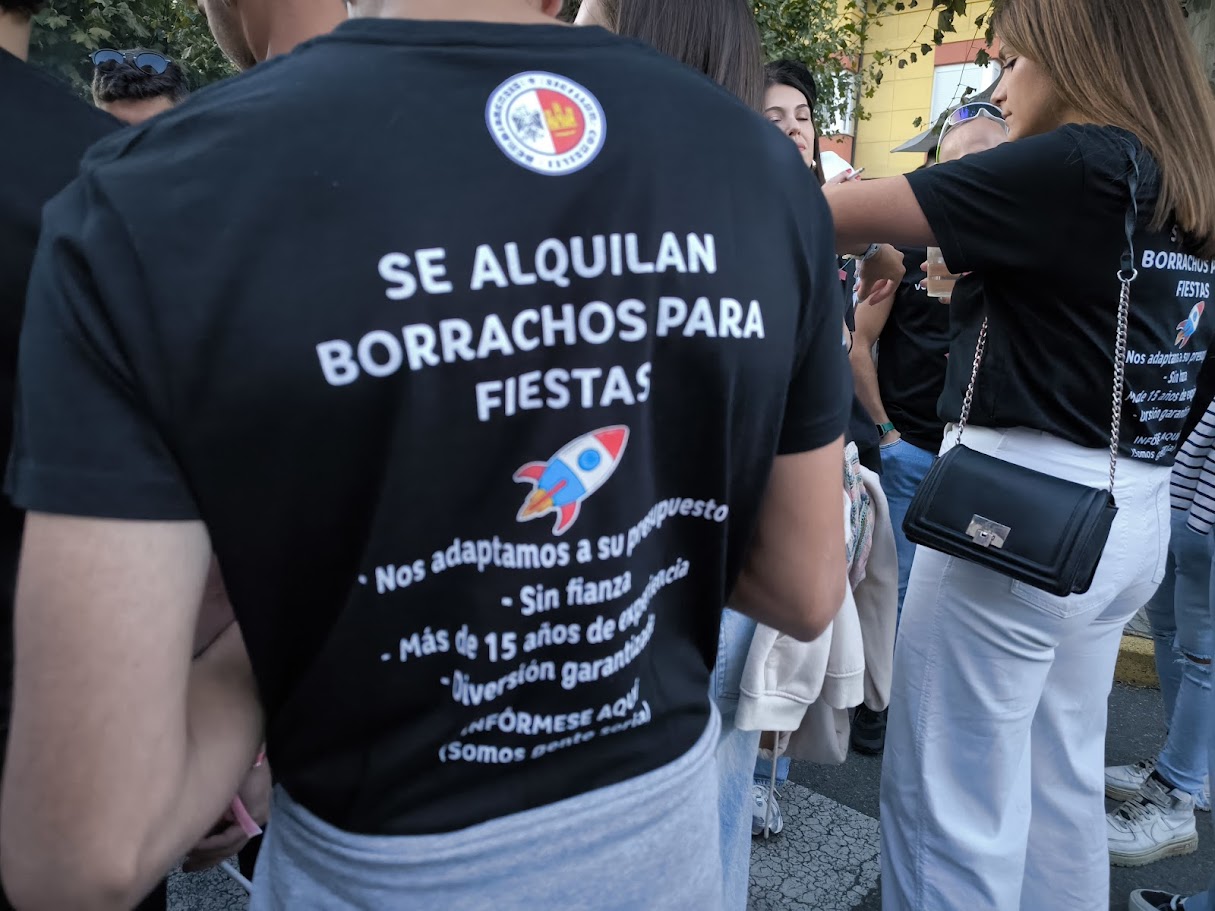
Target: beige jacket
(806, 688)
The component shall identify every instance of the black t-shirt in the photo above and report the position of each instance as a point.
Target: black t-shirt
(1041, 222)
(913, 353)
(475, 386)
(45, 131)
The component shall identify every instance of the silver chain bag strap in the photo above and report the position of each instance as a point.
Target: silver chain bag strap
(1041, 530)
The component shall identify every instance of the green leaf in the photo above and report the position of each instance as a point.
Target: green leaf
(64, 36)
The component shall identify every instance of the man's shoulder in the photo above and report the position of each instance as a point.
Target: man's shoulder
(53, 109)
(46, 130)
(205, 134)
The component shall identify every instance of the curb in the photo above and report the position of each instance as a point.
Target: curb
(1136, 662)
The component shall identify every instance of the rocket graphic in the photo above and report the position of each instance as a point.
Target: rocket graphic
(1187, 327)
(578, 469)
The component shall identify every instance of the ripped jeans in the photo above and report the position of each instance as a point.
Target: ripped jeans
(1180, 614)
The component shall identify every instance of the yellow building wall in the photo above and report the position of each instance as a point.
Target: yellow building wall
(906, 93)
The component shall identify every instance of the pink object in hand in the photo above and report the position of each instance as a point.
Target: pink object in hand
(243, 819)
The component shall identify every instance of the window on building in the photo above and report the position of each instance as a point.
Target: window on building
(951, 82)
(846, 87)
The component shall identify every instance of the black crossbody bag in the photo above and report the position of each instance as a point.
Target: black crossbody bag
(1029, 526)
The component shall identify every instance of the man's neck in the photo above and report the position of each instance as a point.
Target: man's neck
(311, 19)
(15, 35)
(509, 11)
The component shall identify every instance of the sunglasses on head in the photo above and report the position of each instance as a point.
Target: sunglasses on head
(146, 62)
(971, 111)
(968, 112)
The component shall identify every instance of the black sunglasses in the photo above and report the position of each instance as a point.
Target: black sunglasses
(146, 62)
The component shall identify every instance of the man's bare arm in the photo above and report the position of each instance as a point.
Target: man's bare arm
(870, 321)
(796, 570)
(123, 751)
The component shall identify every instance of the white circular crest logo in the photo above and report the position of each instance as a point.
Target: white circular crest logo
(546, 123)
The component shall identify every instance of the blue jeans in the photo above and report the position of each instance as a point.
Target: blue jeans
(1180, 613)
(904, 467)
(763, 770)
(736, 752)
(1206, 900)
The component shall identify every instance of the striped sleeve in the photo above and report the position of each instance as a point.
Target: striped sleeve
(1193, 481)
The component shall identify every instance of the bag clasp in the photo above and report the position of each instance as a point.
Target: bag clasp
(987, 533)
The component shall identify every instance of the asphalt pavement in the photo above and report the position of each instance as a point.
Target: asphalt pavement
(1136, 731)
(827, 857)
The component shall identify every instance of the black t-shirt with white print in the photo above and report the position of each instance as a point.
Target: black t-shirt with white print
(1041, 223)
(476, 380)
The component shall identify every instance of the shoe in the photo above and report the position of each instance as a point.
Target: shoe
(1203, 801)
(868, 731)
(766, 817)
(1158, 823)
(1151, 900)
(1123, 782)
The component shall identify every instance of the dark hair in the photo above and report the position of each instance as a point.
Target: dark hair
(122, 82)
(718, 37)
(29, 7)
(796, 75)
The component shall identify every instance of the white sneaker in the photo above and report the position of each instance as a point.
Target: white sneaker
(1158, 823)
(1123, 782)
(766, 817)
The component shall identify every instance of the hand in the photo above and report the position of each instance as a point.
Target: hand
(948, 297)
(843, 177)
(227, 838)
(890, 437)
(885, 266)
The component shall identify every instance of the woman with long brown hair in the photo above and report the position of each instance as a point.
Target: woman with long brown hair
(992, 784)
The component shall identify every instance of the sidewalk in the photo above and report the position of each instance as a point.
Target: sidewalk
(1136, 656)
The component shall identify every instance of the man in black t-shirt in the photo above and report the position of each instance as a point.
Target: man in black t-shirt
(46, 130)
(484, 419)
(899, 356)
